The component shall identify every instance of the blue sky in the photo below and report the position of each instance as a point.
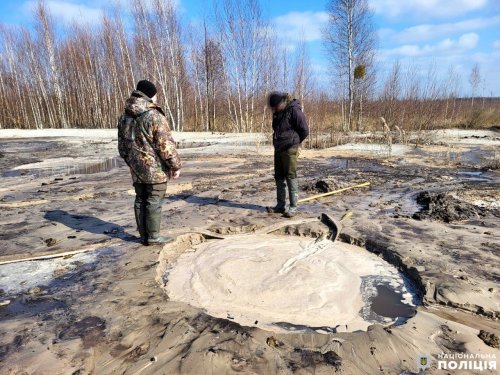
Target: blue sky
(418, 33)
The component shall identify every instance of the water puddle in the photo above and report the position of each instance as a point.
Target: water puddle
(31, 306)
(355, 164)
(388, 299)
(475, 173)
(346, 163)
(375, 148)
(387, 303)
(291, 284)
(103, 166)
(65, 166)
(472, 176)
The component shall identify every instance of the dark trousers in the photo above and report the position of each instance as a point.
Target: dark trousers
(285, 164)
(285, 174)
(147, 208)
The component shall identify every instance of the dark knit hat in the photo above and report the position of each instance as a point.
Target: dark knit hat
(275, 98)
(147, 88)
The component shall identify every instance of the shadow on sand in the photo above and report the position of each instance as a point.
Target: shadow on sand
(204, 201)
(89, 224)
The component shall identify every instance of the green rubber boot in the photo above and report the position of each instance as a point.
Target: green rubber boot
(140, 220)
(280, 198)
(293, 192)
(153, 221)
(160, 240)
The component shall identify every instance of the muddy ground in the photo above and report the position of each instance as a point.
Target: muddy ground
(432, 211)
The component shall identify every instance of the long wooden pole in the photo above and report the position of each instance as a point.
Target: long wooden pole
(332, 192)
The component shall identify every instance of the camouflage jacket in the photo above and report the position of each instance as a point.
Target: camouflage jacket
(145, 141)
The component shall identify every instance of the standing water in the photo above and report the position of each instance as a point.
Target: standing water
(65, 166)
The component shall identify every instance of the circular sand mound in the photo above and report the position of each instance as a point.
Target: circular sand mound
(289, 283)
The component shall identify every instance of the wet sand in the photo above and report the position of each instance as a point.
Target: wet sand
(272, 281)
(109, 313)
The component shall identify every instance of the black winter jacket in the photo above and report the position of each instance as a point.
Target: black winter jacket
(289, 127)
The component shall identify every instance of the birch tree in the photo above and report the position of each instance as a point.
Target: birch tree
(45, 25)
(349, 39)
(56, 74)
(474, 80)
(303, 82)
(159, 49)
(243, 35)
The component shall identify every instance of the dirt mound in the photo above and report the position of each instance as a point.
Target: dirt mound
(324, 185)
(445, 207)
(489, 339)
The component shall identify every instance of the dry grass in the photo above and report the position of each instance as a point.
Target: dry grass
(493, 163)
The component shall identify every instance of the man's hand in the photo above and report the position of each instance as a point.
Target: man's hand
(176, 174)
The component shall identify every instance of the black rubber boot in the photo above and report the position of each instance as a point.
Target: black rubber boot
(139, 210)
(280, 198)
(152, 216)
(160, 240)
(140, 219)
(153, 221)
(293, 192)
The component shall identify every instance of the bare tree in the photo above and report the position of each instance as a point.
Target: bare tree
(207, 66)
(391, 94)
(244, 36)
(13, 85)
(303, 83)
(349, 39)
(159, 49)
(60, 75)
(213, 74)
(474, 80)
(45, 25)
(271, 71)
(451, 90)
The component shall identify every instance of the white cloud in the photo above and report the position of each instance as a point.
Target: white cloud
(496, 43)
(68, 11)
(431, 31)
(150, 4)
(300, 26)
(90, 12)
(468, 41)
(427, 8)
(465, 42)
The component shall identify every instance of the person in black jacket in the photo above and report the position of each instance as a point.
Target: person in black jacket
(289, 130)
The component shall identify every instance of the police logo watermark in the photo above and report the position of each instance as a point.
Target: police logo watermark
(458, 361)
(467, 361)
(423, 362)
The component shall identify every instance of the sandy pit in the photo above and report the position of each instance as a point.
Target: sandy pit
(430, 217)
(276, 282)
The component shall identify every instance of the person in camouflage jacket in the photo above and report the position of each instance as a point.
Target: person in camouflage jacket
(146, 144)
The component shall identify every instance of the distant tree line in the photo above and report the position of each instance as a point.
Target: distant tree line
(215, 76)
